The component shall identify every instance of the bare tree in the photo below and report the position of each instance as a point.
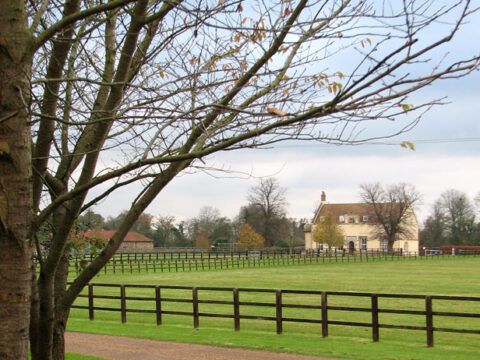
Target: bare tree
(390, 209)
(434, 226)
(270, 199)
(459, 217)
(97, 95)
(210, 223)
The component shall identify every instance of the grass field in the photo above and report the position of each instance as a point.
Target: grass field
(453, 276)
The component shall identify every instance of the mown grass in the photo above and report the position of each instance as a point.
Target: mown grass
(455, 276)
(72, 356)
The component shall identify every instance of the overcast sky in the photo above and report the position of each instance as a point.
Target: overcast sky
(446, 156)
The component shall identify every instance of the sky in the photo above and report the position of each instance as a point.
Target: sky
(446, 156)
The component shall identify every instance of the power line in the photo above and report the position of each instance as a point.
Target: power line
(391, 143)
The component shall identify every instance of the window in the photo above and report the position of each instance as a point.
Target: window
(351, 220)
(384, 245)
(341, 218)
(363, 242)
(322, 218)
(320, 246)
(365, 218)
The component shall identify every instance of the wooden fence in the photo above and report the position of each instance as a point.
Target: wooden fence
(146, 263)
(321, 304)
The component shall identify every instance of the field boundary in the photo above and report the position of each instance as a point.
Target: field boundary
(427, 312)
(151, 262)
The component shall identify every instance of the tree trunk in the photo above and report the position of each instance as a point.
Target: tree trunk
(62, 309)
(52, 313)
(47, 334)
(61, 317)
(15, 181)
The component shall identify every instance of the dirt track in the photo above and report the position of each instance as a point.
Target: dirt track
(124, 348)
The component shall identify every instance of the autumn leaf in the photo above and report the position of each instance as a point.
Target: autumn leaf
(185, 19)
(287, 11)
(408, 145)
(244, 20)
(239, 8)
(406, 107)
(275, 111)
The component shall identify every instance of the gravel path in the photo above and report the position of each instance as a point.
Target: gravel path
(124, 348)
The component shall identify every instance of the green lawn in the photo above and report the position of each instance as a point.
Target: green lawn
(69, 356)
(454, 276)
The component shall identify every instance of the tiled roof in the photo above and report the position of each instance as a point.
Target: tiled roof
(358, 209)
(131, 236)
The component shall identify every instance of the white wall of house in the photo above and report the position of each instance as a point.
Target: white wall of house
(362, 234)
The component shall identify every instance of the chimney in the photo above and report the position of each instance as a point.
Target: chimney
(324, 197)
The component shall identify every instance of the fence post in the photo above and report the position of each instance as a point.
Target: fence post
(375, 333)
(158, 305)
(123, 304)
(90, 301)
(278, 303)
(429, 320)
(324, 315)
(236, 309)
(195, 307)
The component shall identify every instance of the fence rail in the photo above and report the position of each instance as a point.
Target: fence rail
(276, 301)
(145, 262)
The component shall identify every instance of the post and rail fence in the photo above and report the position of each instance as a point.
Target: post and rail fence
(321, 305)
(177, 262)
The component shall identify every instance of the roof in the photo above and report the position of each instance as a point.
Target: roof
(342, 209)
(131, 236)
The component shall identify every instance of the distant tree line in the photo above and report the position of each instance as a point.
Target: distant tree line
(453, 221)
(265, 214)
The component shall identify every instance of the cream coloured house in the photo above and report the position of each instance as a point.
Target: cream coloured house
(359, 228)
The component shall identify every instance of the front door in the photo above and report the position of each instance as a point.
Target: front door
(351, 247)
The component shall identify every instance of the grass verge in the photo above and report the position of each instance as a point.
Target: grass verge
(448, 277)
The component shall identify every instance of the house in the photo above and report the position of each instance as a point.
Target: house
(132, 241)
(360, 229)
